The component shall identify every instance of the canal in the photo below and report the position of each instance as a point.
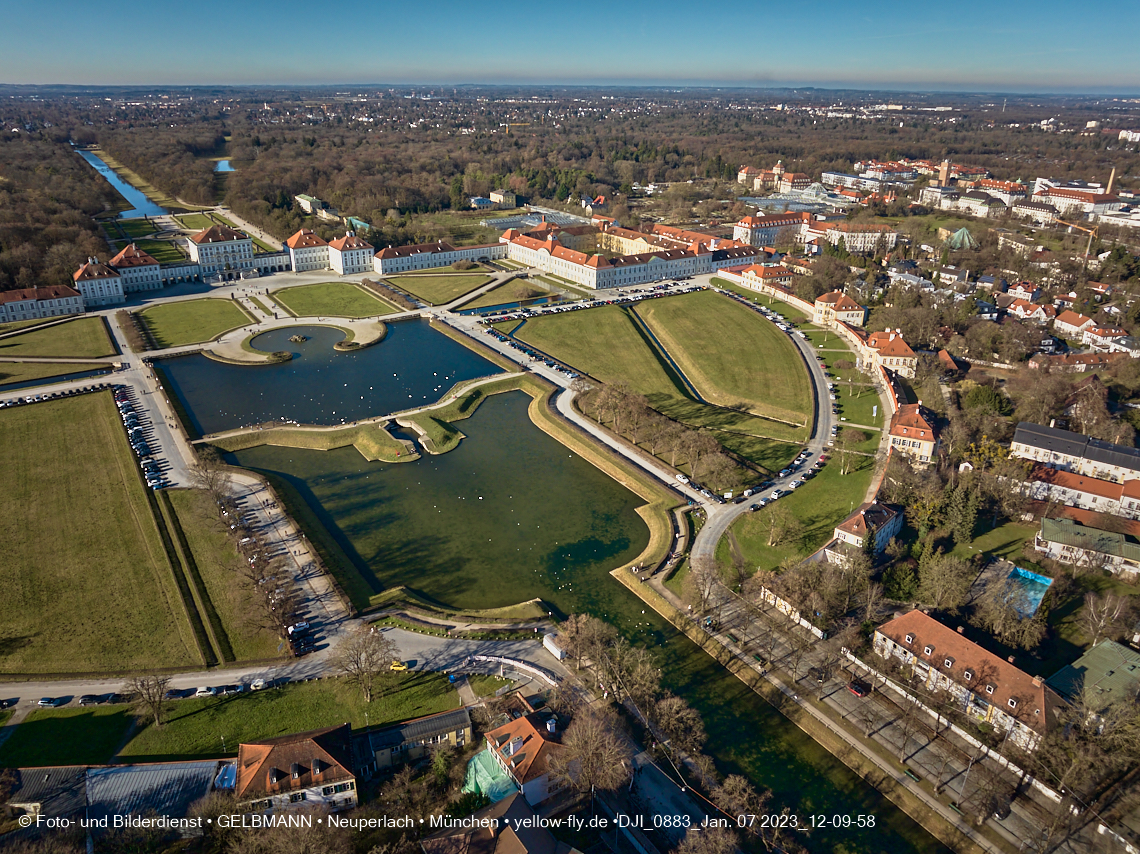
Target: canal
(143, 206)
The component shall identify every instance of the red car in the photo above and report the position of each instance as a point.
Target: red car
(859, 689)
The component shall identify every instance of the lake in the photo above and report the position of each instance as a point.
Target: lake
(413, 366)
(143, 206)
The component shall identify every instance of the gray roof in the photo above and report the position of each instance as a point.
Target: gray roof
(1051, 439)
(366, 744)
(163, 788)
(1066, 532)
(60, 790)
(1111, 671)
(1100, 451)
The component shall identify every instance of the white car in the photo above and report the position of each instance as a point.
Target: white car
(256, 684)
(204, 691)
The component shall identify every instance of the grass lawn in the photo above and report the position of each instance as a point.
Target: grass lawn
(460, 228)
(438, 436)
(195, 728)
(221, 220)
(20, 372)
(769, 453)
(438, 290)
(485, 685)
(1005, 542)
(195, 222)
(85, 338)
(86, 580)
(262, 245)
(821, 504)
(175, 323)
(80, 736)
(732, 355)
(508, 293)
(259, 304)
(136, 228)
(215, 557)
(24, 324)
(335, 299)
(162, 251)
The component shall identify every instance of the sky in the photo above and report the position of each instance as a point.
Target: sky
(999, 45)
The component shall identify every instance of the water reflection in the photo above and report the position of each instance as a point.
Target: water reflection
(143, 206)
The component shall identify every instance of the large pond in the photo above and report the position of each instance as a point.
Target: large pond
(413, 366)
(511, 514)
(143, 206)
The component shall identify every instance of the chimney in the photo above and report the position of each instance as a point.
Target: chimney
(1010, 659)
(1036, 681)
(961, 630)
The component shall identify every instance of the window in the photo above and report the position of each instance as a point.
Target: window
(948, 662)
(927, 650)
(910, 638)
(989, 689)
(969, 674)
(296, 797)
(1012, 703)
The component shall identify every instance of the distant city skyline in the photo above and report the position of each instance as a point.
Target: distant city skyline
(1014, 46)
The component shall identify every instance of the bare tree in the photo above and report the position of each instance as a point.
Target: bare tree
(708, 840)
(148, 694)
(943, 580)
(584, 635)
(680, 724)
(1104, 616)
(783, 526)
(366, 659)
(595, 753)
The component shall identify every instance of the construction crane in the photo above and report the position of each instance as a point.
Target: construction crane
(1091, 232)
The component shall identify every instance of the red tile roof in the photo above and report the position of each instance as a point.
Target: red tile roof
(534, 747)
(93, 270)
(869, 517)
(840, 301)
(44, 293)
(218, 234)
(349, 241)
(1077, 482)
(914, 421)
(305, 239)
(267, 767)
(132, 256)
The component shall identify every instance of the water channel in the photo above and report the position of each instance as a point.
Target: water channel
(143, 206)
(223, 166)
(413, 366)
(511, 514)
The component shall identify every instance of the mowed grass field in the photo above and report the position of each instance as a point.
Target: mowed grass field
(504, 294)
(83, 338)
(136, 228)
(732, 355)
(21, 372)
(87, 585)
(438, 290)
(194, 728)
(162, 251)
(173, 324)
(333, 299)
(606, 344)
(81, 736)
(195, 222)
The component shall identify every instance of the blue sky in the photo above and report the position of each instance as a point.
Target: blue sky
(1007, 45)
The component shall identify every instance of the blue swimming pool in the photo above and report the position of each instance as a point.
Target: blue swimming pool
(1026, 590)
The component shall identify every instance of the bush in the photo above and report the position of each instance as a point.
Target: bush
(463, 264)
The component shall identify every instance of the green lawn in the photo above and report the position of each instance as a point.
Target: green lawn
(20, 372)
(81, 736)
(136, 228)
(216, 559)
(504, 294)
(173, 324)
(195, 728)
(732, 354)
(262, 245)
(820, 504)
(484, 685)
(84, 338)
(23, 324)
(87, 585)
(438, 290)
(769, 453)
(162, 251)
(195, 222)
(1005, 542)
(334, 299)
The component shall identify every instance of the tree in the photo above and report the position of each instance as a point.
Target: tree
(708, 840)
(943, 580)
(1104, 616)
(736, 797)
(845, 445)
(783, 526)
(680, 724)
(899, 582)
(584, 635)
(366, 659)
(148, 694)
(595, 754)
(1002, 610)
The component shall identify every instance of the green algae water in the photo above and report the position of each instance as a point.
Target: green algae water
(510, 515)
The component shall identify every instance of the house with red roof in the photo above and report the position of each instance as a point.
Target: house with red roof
(836, 305)
(880, 522)
(524, 748)
(303, 771)
(138, 270)
(351, 254)
(914, 432)
(1070, 324)
(982, 685)
(36, 303)
(887, 349)
(222, 251)
(99, 284)
(307, 251)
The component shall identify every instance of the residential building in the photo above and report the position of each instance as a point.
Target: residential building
(854, 237)
(1008, 192)
(98, 283)
(747, 175)
(880, 522)
(767, 230)
(300, 771)
(1081, 545)
(310, 204)
(307, 251)
(351, 254)
(887, 349)
(982, 685)
(914, 432)
(1068, 201)
(1070, 324)
(794, 181)
(504, 198)
(481, 203)
(1085, 493)
(423, 256)
(377, 749)
(1025, 310)
(1102, 338)
(36, 303)
(836, 305)
(510, 826)
(767, 278)
(980, 204)
(222, 251)
(1024, 290)
(138, 270)
(1106, 674)
(1037, 211)
(1075, 362)
(523, 748)
(1061, 449)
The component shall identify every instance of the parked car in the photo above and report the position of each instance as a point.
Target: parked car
(858, 688)
(256, 684)
(51, 702)
(205, 691)
(89, 700)
(398, 665)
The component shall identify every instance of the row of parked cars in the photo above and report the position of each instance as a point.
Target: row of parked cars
(55, 395)
(791, 469)
(532, 353)
(137, 434)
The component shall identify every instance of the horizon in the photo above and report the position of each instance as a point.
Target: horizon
(1019, 47)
